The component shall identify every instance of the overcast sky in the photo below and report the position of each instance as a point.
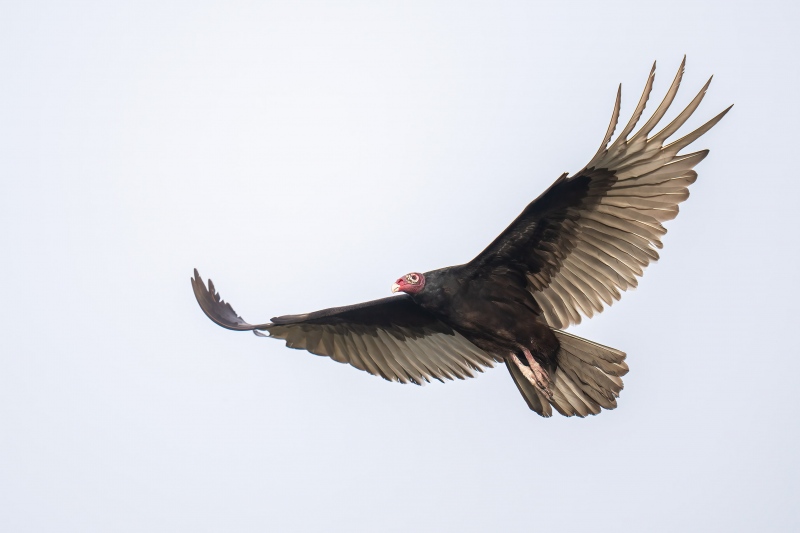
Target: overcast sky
(304, 155)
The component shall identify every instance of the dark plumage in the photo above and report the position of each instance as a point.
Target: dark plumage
(569, 253)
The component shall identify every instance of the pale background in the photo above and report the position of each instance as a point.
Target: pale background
(306, 154)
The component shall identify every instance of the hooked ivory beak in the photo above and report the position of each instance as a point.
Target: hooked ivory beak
(395, 287)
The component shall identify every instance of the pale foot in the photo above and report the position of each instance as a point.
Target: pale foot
(534, 372)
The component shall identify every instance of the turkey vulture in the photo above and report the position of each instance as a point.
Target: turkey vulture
(569, 253)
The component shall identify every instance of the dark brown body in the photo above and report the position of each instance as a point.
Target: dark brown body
(497, 317)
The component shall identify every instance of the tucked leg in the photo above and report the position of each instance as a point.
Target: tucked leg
(534, 372)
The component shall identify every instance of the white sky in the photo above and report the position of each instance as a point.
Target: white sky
(304, 155)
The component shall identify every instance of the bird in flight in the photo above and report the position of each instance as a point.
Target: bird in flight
(569, 253)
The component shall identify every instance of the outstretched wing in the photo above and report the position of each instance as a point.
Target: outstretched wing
(589, 236)
(393, 337)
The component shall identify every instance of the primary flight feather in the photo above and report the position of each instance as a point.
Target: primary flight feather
(569, 253)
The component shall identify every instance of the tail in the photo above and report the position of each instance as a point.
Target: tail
(587, 379)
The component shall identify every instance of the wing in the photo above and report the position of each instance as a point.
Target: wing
(589, 236)
(392, 338)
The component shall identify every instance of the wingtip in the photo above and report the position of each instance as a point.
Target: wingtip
(217, 309)
(719, 116)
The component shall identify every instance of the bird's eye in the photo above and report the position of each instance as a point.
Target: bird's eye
(412, 278)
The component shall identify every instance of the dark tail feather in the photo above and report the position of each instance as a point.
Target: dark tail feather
(587, 379)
